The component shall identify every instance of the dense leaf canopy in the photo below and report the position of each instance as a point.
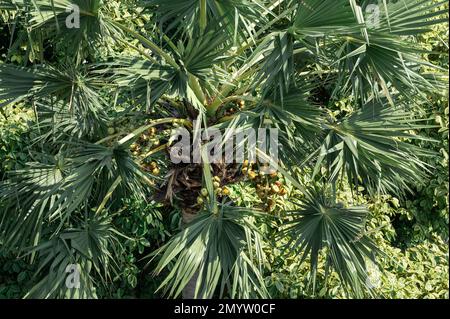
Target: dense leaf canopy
(106, 94)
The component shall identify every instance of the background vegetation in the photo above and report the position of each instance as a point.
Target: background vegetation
(412, 230)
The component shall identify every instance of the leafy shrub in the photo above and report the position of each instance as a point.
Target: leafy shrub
(14, 126)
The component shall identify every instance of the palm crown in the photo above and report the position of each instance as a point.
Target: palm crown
(107, 93)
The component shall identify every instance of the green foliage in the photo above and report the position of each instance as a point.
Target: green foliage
(143, 229)
(370, 147)
(14, 124)
(414, 272)
(358, 208)
(318, 225)
(15, 274)
(413, 232)
(223, 246)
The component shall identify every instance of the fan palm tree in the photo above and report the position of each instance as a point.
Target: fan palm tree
(107, 93)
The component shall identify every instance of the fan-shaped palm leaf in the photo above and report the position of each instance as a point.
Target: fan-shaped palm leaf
(370, 147)
(223, 248)
(321, 226)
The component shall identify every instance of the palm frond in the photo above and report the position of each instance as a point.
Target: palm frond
(318, 18)
(409, 17)
(239, 16)
(51, 192)
(223, 249)
(387, 62)
(84, 252)
(320, 226)
(94, 27)
(276, 68)
(371, 147)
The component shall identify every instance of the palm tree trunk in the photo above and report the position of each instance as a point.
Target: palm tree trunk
(189, 290)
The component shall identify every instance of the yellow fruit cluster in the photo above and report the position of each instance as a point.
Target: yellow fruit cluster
(218, 190)
(268, 187)
(151, 167)
(240, 104)
(145, 142)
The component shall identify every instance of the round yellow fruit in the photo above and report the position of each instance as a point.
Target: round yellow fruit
(134, 147)
(152, 131)
(251, 175)
(275, 189)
